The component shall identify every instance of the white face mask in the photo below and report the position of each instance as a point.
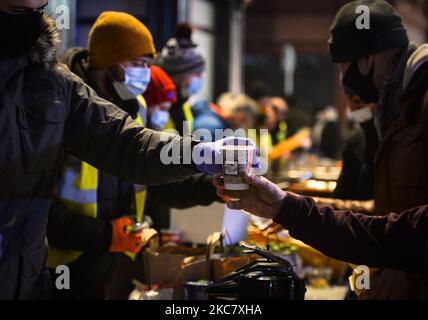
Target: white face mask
(159, 119)
(362, 115)
(194, 86)
(137, 79)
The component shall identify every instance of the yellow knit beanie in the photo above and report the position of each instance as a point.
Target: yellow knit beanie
(115, 37)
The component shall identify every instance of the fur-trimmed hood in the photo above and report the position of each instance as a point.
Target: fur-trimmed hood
(44, 50)
(43, 53)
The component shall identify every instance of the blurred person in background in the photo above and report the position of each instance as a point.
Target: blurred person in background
(160, 95)
(232, 111)
(328, 134)
(297, 117)
(356, 178)
(274, 111)
(280, 108)
(184, 63)
(92, 209)
(270, 119)
(238, 110)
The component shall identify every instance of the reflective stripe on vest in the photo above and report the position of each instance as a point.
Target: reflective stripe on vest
(143, 104)
(267, 139)
(140, 190)
(78, 191)
(80, 196)
(188, 117)
(282, 132)
(263, 143)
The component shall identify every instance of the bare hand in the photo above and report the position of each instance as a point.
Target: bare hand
(263, 199)
(273, 228)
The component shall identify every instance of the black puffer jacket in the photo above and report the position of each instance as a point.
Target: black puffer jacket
(46, 112)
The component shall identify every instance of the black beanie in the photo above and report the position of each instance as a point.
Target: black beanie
(348, 43)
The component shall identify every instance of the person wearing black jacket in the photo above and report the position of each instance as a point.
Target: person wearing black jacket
(46, 114)
(395, 240)
(381, 67)
(356, 178)
(184, 63)
(68, 229)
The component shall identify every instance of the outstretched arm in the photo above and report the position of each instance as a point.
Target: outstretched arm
(396, 240)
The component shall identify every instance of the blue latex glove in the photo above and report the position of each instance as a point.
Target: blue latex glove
(213, 164)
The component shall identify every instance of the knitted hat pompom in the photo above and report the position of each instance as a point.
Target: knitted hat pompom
(180, 55)
(183, 30)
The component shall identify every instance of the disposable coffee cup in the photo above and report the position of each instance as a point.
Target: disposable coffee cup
(236, 160)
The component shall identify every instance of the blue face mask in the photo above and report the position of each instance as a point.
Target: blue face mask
(159, 119)
(194, 86)
(137, 79)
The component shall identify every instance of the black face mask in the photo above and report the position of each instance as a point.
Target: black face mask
(19, 33)
(363, 86)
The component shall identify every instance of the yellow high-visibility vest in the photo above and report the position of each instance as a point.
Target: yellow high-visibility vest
(188, 116)
(282, 132)
(78, 191)
(280, 135)
(143, 103)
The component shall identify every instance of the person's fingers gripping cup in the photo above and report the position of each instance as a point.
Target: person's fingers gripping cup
(238, 156)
